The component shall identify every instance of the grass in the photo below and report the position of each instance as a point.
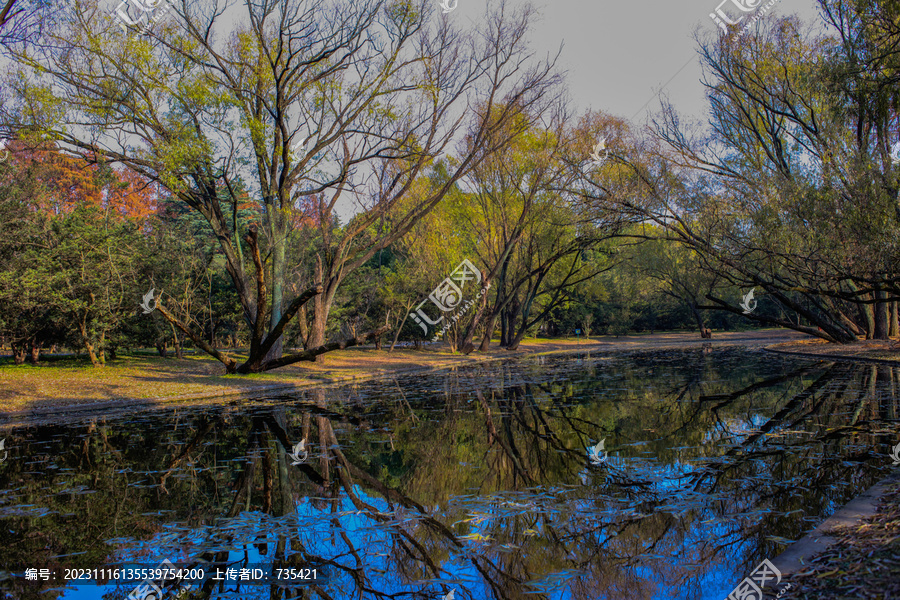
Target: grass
(861, 349)
(141, 376)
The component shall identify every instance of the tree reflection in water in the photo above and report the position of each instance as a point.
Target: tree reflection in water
(475, 481)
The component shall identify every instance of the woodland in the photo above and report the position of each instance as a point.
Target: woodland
(291, 178)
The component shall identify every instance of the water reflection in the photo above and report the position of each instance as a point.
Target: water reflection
(477, 480)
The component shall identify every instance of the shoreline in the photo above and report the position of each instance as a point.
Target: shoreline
(30, 395)
(794, 559)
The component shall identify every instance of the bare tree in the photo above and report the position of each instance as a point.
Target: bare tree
(376, 89)
(21, 20)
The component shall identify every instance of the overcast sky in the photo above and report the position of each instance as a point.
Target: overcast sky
(618, 53)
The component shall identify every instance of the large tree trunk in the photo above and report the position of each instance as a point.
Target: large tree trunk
(278, 268)
(849, 323)
(867, 316)
(513, 309)
(466, 343)
(504, 328)
(522, 313)
(321, 308)
(895, 322)
(18, 350)
(514, 344)
(488, 332)
(92, 354)
(320, 321)
(881, 316)
(34, 348)
(304, 327)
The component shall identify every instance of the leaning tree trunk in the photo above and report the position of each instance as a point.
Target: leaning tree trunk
(399, 329)
(867, 316)
(522, 311)
(92, 353)
(514, 343)
(466, 343)
(698, 316)
(488, 332)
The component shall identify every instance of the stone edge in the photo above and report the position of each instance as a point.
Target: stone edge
(865, 505)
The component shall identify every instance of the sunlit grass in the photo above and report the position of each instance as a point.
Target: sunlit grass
(143, 376)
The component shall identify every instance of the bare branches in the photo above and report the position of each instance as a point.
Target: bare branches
(230, 363)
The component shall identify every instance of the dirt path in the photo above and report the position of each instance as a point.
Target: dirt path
(70, 385)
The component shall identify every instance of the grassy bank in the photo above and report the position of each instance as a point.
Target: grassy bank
(862, 350)
(151, 379)
(73, 381)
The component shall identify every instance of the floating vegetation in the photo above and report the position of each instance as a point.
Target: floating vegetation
(474, 480)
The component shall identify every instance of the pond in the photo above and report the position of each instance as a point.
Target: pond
(477, 483)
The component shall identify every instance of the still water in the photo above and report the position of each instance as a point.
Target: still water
(476, 481)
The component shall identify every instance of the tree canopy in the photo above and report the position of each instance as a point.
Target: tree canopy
(293, 177)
